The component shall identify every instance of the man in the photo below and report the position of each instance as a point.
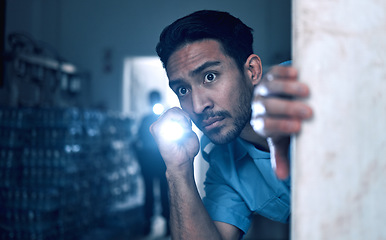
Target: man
(211, 67)
(152, 166)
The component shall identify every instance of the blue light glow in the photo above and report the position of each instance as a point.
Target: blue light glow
(172, 131)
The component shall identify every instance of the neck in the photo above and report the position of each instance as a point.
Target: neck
(249, 135)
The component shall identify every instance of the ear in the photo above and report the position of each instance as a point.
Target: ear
(253, 68)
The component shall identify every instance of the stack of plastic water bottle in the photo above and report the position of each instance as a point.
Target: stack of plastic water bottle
(62, 170)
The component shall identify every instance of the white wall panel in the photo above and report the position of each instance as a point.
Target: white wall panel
(339, 167)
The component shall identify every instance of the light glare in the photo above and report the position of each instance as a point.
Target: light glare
(172, 131)
(257, 109)
(258, 125)
(261, 90)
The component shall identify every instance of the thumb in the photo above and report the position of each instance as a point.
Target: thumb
(279, 156)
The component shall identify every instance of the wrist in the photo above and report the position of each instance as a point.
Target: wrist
(183, 170)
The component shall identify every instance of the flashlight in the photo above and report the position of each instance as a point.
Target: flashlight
(172, 131)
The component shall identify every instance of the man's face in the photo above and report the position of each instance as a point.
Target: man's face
(211, 89)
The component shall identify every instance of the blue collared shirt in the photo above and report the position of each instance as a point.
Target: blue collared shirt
(240, 182)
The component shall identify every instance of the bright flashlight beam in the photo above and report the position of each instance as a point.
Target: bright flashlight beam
(172, 131)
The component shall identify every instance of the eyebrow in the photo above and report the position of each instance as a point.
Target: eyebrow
(204, 66)
(195, 72)
(175, 82)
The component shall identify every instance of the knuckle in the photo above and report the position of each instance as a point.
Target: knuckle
(258, 125)
(258, 109)
(261, 90)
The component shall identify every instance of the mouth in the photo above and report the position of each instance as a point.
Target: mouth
(211, 123)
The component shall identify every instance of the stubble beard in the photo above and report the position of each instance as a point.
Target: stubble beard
(241, 118)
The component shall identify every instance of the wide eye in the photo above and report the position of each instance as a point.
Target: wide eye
(209, 77)
(182, 91)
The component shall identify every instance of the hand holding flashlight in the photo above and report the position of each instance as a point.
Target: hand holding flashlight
(175, 138)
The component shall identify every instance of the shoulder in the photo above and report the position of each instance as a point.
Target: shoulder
(286, 63)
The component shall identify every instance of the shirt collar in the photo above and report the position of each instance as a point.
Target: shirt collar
(241, 148)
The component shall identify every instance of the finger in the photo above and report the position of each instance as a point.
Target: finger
(279, 127)
(179, 115)
(282, 87)
(275, 127)
(281, 72)
(173, 127)
(176, 114)
(282, 167)
(172, 114)
(279, 156)
(281, 108)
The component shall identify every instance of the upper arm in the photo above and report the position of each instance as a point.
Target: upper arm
(228, 231)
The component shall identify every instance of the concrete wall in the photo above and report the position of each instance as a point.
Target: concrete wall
(94, 34)
(339, 180)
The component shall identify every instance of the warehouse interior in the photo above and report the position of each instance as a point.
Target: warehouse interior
(75, 76)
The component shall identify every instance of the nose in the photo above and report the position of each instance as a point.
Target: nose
(201, 101)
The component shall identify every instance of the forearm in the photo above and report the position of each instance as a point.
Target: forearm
(188, 216)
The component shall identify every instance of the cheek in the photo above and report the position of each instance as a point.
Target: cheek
(187, 106)
(229, 96)
(240, 100)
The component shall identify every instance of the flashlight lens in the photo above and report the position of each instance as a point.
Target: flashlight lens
(172, 131)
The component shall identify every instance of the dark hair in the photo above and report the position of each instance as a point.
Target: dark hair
(154, 97)
(235, 37)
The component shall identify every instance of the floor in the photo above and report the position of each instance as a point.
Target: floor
(158, 231)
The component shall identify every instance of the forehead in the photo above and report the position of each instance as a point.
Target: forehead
(192, 55)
